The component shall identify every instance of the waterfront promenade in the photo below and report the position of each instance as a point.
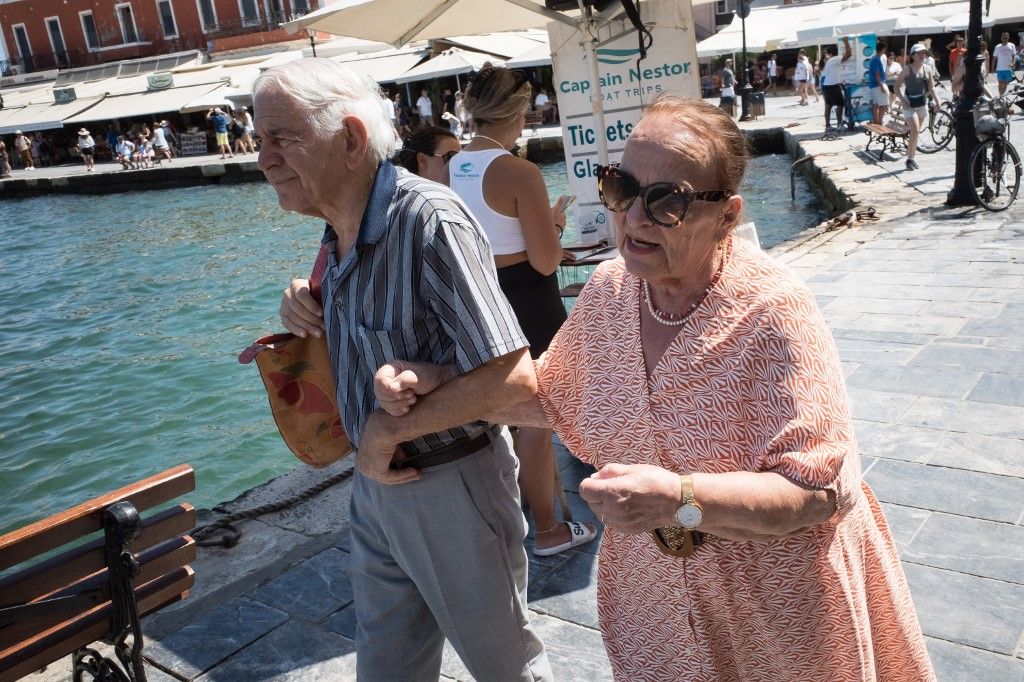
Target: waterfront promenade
(927, 308)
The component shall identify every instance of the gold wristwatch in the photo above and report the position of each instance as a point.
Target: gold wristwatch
(689, 515)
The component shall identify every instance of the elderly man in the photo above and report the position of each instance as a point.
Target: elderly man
(437, 530)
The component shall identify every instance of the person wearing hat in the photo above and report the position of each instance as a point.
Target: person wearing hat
(220, 122)
(23, 146)
(160, 146)
(915, 85)
(86, 147)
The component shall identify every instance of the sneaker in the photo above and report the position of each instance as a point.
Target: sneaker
(912, 165)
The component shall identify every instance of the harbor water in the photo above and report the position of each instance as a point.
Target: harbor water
(123, 316)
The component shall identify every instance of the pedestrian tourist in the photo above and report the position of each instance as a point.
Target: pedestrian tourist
(238, 133)
(37, 150)
(773, 73)
(801, 75)
(448, 102)
(404, 126)
(915, 87)
(23, 146)
(5, 161)
(427, 152)
(460, 113)
(814, 72)
(892, 75)
(388, 107)
(832, 82)
(111, 136)
(161, 148)
(542, 103)
(425, 108)
(699, 376)
(220, 122)
(1004, 55)
(957, 50)
(247, 122)
(727, 101)
(125, 152)
(87, 148)
(436, 528)
(508, 195)
(879, 90)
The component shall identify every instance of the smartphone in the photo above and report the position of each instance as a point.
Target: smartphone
(568, 202)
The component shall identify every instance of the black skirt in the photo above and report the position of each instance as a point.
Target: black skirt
(536, 301)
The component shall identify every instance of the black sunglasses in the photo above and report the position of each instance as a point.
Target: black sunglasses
(446, 157)
(665, 203)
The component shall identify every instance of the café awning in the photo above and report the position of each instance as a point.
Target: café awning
(42, 116)
(384, 68)
(143, 104)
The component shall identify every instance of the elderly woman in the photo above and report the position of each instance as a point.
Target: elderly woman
(700, 378)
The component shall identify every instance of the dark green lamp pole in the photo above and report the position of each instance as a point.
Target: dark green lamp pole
(962, 193)
(743, 10)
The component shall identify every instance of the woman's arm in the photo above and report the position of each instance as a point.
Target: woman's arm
(541, 227)
(741, 505)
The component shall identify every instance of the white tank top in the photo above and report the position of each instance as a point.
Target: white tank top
(466, 178)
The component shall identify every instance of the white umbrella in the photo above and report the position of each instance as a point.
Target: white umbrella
(449, 63)
(959, 22)
(866, 19)
(400, 21)
(538, 56)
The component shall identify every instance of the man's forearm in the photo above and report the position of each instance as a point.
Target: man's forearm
(480, 394)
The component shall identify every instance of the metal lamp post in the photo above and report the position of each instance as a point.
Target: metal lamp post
(311, 32)
(743, 11)
(962, 193)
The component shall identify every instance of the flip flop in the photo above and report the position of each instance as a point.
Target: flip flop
(579, 534)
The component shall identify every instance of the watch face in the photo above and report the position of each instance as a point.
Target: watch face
(689, 516)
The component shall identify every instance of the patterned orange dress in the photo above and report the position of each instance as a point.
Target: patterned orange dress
(752, 382)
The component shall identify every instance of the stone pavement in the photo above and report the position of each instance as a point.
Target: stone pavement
(927, 308)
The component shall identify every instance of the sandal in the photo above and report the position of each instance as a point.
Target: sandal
(579, 534)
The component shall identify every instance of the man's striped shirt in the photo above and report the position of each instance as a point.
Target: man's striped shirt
(418, 285)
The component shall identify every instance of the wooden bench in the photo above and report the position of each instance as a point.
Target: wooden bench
(891, 137)
(59, 600)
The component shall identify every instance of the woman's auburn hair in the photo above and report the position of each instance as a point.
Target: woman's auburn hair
(490, 98)
(728, 147)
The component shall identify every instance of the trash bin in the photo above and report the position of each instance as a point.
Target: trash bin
(756, 104)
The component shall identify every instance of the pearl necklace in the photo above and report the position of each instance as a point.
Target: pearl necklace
(672, 319)
(489, 138)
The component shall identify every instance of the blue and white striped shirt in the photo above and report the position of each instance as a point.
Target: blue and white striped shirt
(418, 285)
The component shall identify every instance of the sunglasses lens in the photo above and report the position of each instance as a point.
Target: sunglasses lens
(617, 189)
(666, 204)
(448, 156)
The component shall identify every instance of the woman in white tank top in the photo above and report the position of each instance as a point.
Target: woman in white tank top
(510, 200)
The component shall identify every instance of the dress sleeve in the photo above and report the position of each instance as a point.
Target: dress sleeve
(815, 444)
(461, 285)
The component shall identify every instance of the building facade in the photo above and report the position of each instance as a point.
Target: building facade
(47, 34)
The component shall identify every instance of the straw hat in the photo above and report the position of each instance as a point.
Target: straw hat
(83, 131)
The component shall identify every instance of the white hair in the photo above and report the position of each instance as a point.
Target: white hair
(330, 92)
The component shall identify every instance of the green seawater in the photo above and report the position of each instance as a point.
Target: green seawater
(122, 319)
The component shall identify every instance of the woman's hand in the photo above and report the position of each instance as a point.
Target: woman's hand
(397, 383)
(633, 498)
(558, 212)
(300, 313)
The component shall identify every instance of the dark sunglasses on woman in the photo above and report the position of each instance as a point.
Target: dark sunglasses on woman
(446, 157)
(665, 203)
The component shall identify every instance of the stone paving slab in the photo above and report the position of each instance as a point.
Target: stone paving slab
(311, 590)
(207, 641)
(983, 548)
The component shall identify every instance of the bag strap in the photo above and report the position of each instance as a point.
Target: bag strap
(319, 268)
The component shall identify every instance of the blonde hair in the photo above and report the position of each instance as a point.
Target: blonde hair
(497, 94)
(723, 146)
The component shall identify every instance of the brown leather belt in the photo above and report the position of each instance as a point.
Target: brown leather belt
(447, 453)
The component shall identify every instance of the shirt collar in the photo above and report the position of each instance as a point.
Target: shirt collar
(375, 216)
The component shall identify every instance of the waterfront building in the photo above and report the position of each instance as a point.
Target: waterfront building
(38, 35)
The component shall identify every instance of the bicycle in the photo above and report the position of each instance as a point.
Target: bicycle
(995, 164)
(941, 125)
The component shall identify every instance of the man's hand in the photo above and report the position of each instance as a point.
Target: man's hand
(397, 383)
(300, 313)
(377, 449)
(633, 498)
